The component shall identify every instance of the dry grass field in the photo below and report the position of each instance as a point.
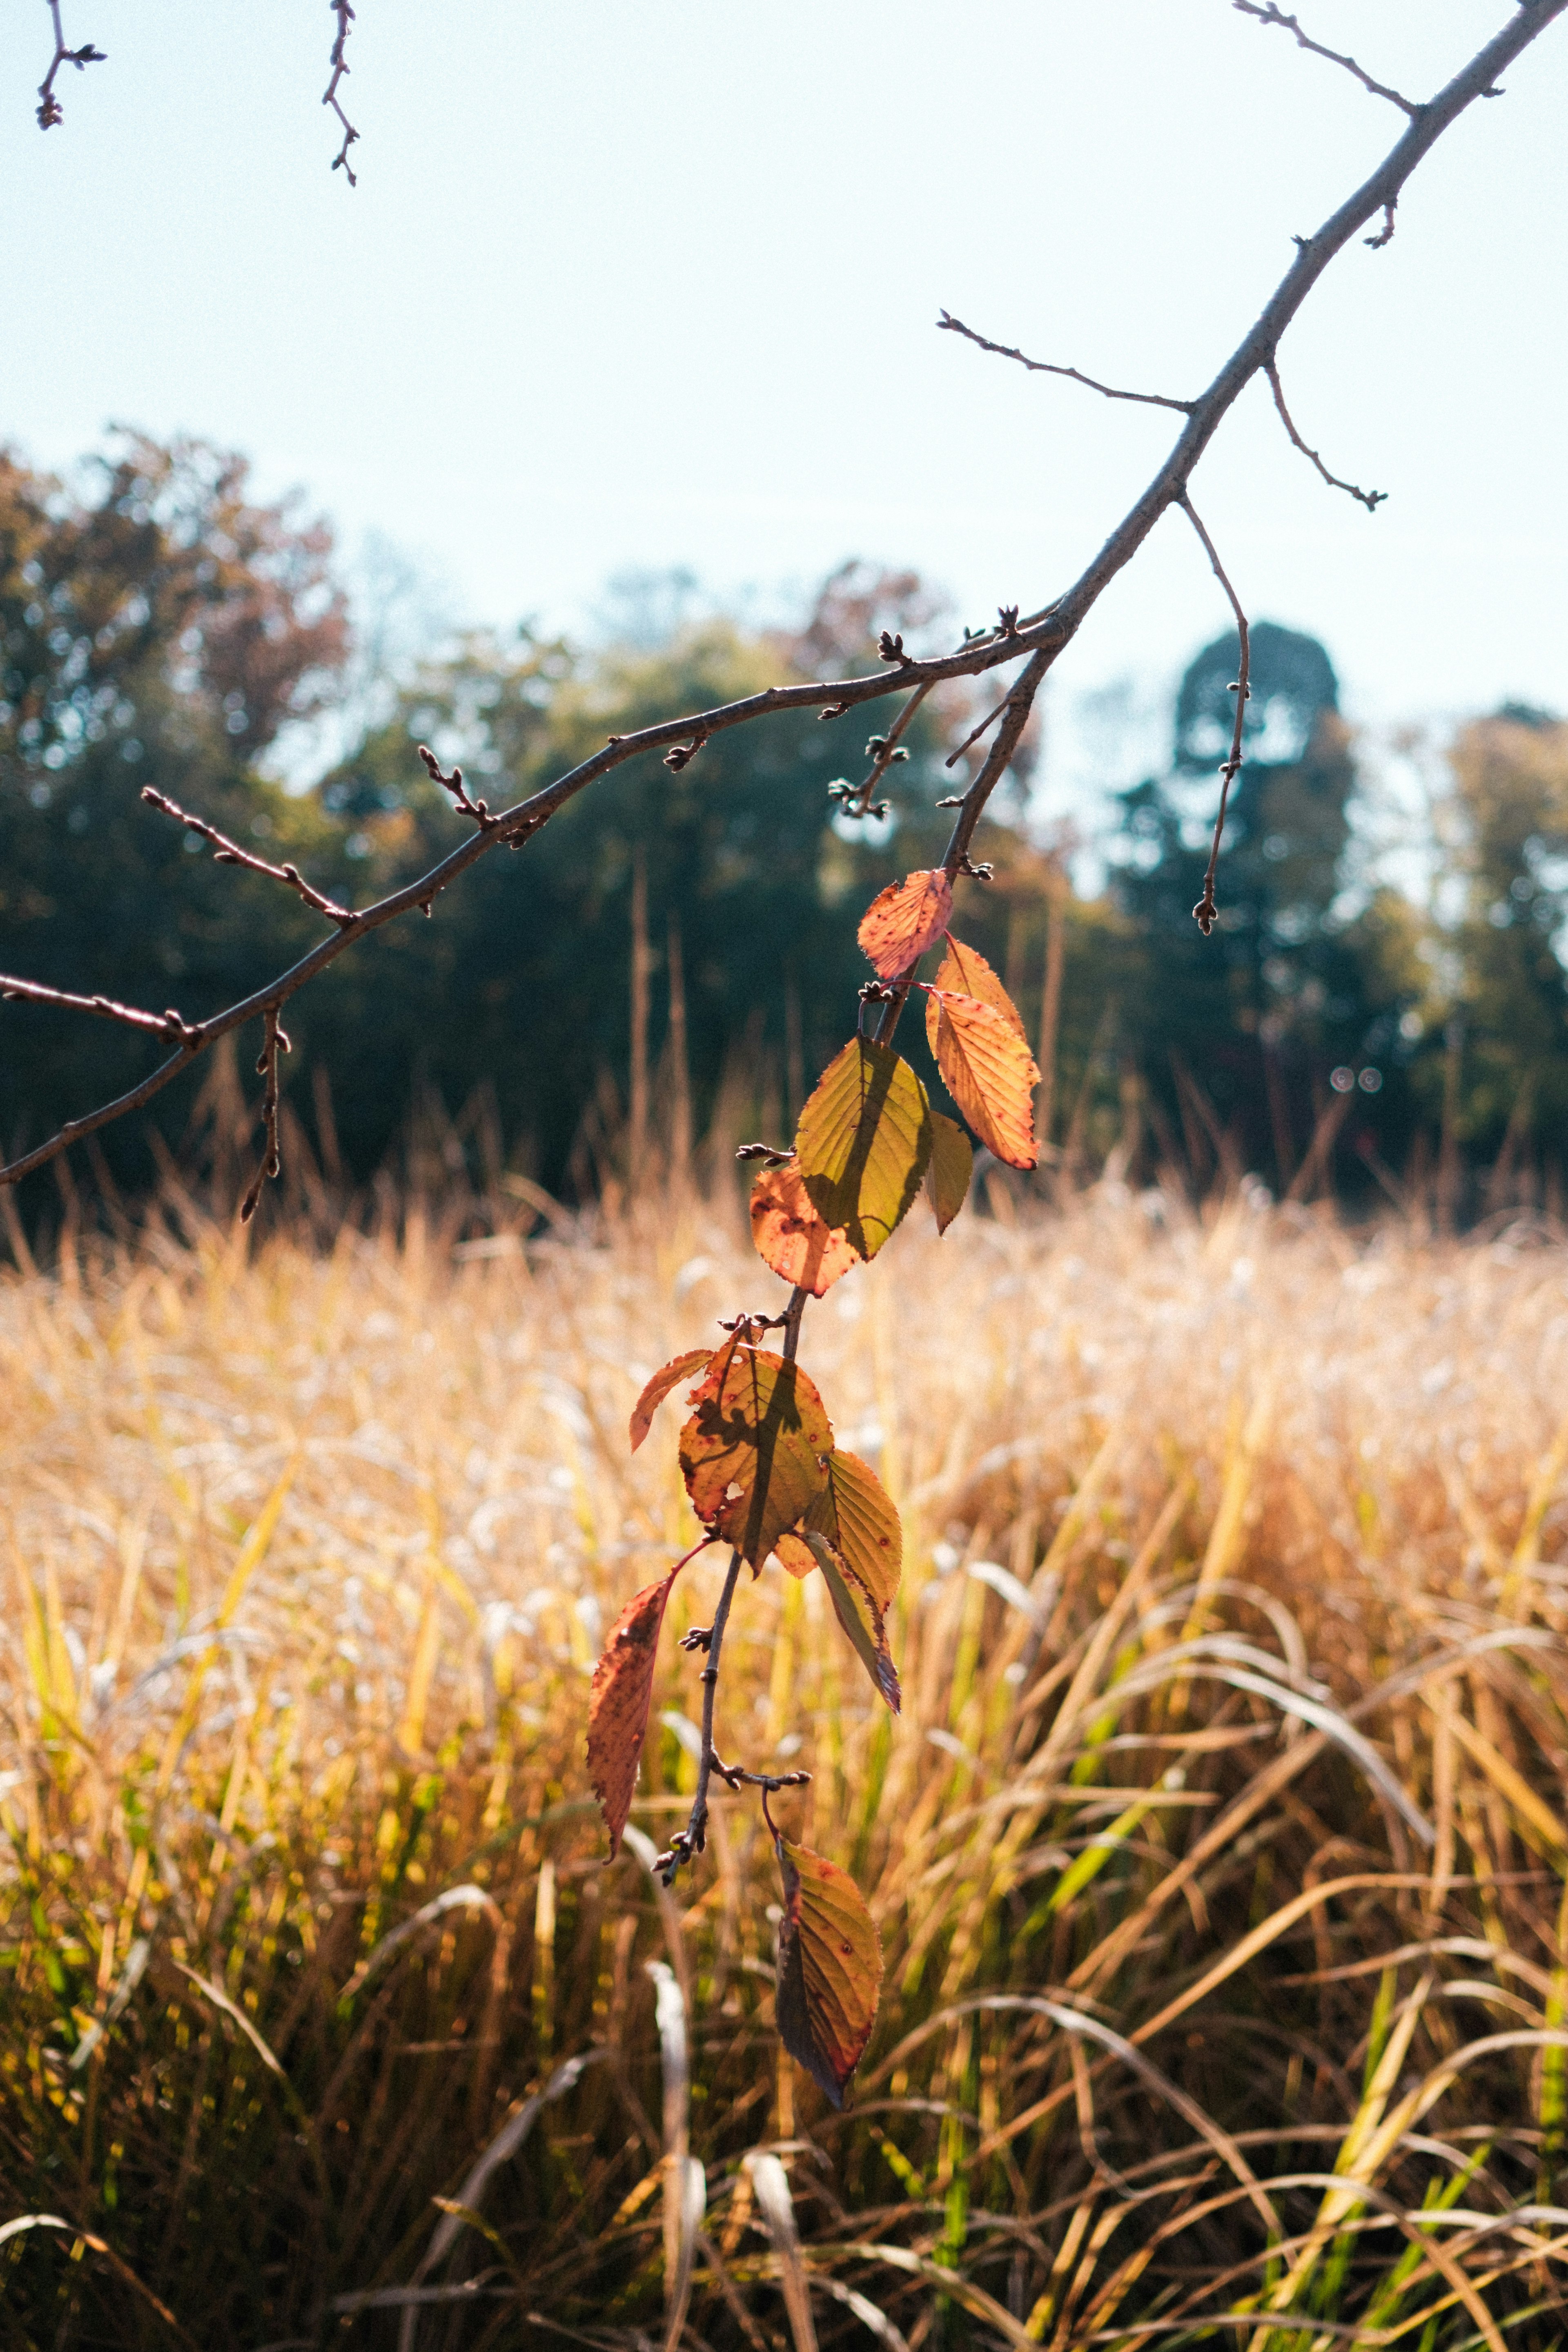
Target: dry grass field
(1218, 1855)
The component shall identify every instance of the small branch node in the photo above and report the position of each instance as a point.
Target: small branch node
(275, 1041)
(49, 110)
(681, 755)
(890, 648)
(454, 784)
(1386, 234)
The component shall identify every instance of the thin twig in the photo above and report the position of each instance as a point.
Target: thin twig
(479, 810)
(1050, 367)
(229, 853)
(156, 1024)
(340, 64)
(1042, 634)
(856, 800)
(1268, 14)
(974, 736)
(1205, 912)
(689, 1843)
(1370, 499)
(274, 1040)
(49, 108)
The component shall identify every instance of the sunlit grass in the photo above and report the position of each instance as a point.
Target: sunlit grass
(1218, 1855)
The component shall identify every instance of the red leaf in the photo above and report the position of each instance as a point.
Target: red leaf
(669, 1377)
(791, 1238)
(619, 1702)
(990, 1073)
(905, 919)
(829, 1968)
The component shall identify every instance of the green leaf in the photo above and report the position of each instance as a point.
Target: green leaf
(829, 1968)
(864, 1140)
(952, 1167)
(860, 1520)
(859, 1615)
(754, 1450)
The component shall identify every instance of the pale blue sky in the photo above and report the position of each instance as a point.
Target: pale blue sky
(653, 282)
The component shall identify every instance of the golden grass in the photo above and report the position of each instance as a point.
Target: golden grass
(1218, 1855)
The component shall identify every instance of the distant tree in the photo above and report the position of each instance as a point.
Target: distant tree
(1245, 1027)
(157, 627)
(1510, 800)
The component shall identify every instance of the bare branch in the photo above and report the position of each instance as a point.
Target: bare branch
(274, 1040)
(229, 853)
(1050, 367)
(1205, 912)
(1041, 634)
(855, 800)
(477, 809)
(154, 1024)
(340, 64)
(1370, 499)
(689, 1843)
(1268, 14)
(50, 111)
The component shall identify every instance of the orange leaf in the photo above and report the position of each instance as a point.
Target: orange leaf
(829, 1968)
(964, 972)
(619, 1702)
(990, 1073)
(752, 1451)
(669, 1377)
(860, 1520)
(905, 919)
(951, 1167)
(793, 1238)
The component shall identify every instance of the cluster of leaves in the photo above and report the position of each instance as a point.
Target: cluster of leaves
(758, 1456)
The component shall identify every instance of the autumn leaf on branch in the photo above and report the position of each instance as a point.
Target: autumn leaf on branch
(793, 1238)
(863, 1143)
(950, 1170)
(829, 1968)
(860, 1520)
(989, 1071)
(863, 1620)
(669, 1376)
(620, 1701)
(964, 972)
(752, 1451)
(905, 919)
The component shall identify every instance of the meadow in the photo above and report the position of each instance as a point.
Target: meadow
(1219, 1853)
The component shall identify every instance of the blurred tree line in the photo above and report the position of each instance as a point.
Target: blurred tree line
(677, 948)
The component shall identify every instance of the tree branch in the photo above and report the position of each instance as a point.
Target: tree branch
(689, 1843)
(107, 1008)
(229, 853)
(50, 111)
(1203, 913)
(1268, 14)
(1041, 634)
(274, 1040)
(1370, 499)
(339, 64)
(1050, 367)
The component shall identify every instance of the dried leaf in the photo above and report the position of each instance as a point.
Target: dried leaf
(669, 1377)
(964, 972)
(793, 1238)
(752, 1451)
(990, 1073)
(952, 1167)
(829, 1968)
(860, 1615)
(860, 1520)
(619, 1702)
(905, 919)
(793, 1551)
(863, 1143)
